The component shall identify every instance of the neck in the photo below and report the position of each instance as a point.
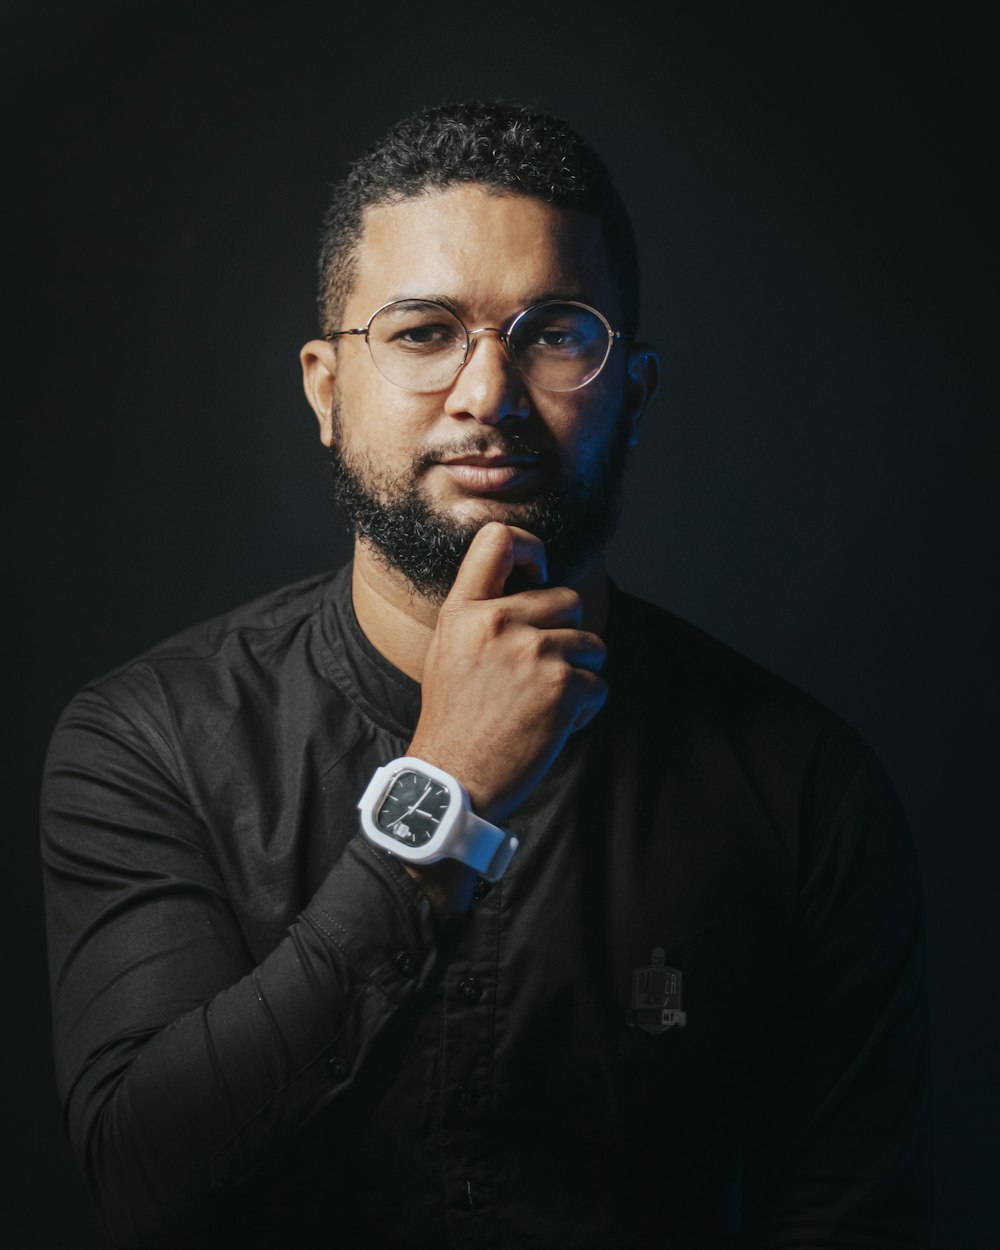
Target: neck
(399, 623)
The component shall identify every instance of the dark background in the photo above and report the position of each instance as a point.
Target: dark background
(816, 484)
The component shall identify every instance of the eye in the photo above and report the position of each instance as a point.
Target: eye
(417, 328)
(556, 337)
(425, 337)
(558, 332)
(551, 340)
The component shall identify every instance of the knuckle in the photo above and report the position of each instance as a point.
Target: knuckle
(569, 599)
(589, 688)
(597, 650)
(596, 695)
(537, 644)
(561, 681)
(599, 688)
(495, 617)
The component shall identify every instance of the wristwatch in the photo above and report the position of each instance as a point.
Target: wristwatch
(423, 814)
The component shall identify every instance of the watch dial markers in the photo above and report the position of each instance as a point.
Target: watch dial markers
(413, 808)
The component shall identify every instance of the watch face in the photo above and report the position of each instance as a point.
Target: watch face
(413, 808)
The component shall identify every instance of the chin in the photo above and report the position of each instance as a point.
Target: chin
(479, 511)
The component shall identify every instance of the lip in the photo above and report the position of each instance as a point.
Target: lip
(491, 474)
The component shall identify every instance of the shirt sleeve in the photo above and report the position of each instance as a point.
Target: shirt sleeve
(181, 1061)
(838, 1151)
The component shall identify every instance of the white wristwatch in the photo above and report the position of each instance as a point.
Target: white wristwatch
(423, 814)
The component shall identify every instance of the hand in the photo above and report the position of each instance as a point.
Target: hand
(506, 679)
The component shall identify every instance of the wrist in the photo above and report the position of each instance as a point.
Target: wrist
(483, 800)
(447, 884)
(422, 814)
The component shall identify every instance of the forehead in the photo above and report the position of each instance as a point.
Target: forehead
(489, 253)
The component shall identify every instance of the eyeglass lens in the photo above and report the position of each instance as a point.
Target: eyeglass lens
(420, 345)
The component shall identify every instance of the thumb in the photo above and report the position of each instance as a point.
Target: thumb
(494, 552)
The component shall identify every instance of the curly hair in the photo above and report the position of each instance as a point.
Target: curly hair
(505, 146)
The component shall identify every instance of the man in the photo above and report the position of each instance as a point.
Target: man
(460, 898)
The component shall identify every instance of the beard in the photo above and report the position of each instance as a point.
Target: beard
(574, 515)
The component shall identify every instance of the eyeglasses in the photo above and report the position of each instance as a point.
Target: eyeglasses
(421, 345)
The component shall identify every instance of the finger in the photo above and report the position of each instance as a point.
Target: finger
(492, 554)
(576, 647)
(555, 607)
(596, 693)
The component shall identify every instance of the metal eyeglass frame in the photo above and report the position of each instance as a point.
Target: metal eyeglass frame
(503, 335)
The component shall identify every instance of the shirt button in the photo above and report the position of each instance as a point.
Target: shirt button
(481, 888)
(406, 964)
(466, 1097)
(470, 989)
(336, 1069)
(474, 1195)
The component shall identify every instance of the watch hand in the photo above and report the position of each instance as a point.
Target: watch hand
(409, 811)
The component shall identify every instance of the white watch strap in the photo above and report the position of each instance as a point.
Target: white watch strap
(484, 847)
(504, 854)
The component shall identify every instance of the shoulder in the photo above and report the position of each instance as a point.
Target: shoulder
(280, 612)
(248, 652)
(276, 612)
(662, 650)
(727, 715)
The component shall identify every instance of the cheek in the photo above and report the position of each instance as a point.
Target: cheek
(381, 422)
(593, 433)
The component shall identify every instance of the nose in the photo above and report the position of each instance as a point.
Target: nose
(489, 387)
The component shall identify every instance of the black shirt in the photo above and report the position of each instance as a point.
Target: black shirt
(693, 1005)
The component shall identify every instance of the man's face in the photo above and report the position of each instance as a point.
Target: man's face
(418, 474)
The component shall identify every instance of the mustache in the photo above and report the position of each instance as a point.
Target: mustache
(495, 442)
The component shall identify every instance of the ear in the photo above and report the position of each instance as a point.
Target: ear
(642, 383)
(319, 368)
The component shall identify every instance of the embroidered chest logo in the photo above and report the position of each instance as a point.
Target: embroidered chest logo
(656, 996)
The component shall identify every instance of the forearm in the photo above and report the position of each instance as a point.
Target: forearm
(158, 1121)
(183, 1059)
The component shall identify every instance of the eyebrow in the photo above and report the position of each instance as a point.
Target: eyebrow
(456, 306)
(424, 297)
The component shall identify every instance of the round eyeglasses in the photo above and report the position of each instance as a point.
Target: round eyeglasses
(422, 345)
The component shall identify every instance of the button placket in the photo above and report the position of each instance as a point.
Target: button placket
(467, 1068)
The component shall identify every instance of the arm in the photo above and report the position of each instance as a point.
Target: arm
(180, 1063)
(506, 680)
(183, 1060)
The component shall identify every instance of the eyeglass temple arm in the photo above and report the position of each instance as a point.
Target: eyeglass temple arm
(336, 334)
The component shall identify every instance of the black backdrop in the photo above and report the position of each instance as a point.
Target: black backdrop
(816, 483)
